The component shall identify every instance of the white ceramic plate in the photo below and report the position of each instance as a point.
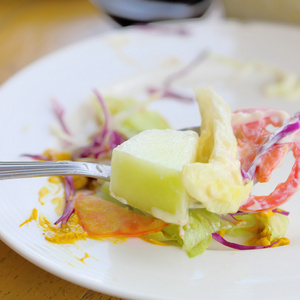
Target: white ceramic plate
(128, 60)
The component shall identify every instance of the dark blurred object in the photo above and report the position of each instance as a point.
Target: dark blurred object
(128, 12)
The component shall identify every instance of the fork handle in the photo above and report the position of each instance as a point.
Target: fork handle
(24, 169)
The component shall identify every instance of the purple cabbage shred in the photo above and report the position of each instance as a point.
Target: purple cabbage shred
(280, 211)
(69, 200)
(236, 246)
(104, 141)
(167, 91)
(59, 113)
(37, 156)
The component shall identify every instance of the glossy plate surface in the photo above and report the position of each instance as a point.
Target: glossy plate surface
(125, 63)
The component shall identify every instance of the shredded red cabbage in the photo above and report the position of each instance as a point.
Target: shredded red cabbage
(36, 156)
(231, 216)
(168, 93)
(245, 175)
(59, 112)
(69, 199)
(70, 192)
(280, 211)
(200, 57)
(275, 210)
(166, 89)
(221, 240)
(104, 141)
(239, 213)
(291, 126)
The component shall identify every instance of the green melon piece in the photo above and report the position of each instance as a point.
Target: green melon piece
(146, 172)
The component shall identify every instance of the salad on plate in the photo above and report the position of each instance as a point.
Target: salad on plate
(176, 188)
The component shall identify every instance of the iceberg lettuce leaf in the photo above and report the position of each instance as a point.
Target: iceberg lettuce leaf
(197, 234)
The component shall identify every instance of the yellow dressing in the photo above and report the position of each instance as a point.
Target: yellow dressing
(60, 205)
(33, 217)
(152, 241)
(54, 179)
(282, 242)
(42, 193)
(65, 238)
(55, 155)
(65, 234)
(85, 256)
(80, 182)
(222, 232)
(262, 236)
(267, 214)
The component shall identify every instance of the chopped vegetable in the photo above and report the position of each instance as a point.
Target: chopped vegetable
(215, 180)
(275, 137)
(59, 112)
(221, 240)
(103, 218)
(260, 154)
(104, 141)
(166, 91)
(69, 199)
(150, 164)
(196, 236)
(266, 230)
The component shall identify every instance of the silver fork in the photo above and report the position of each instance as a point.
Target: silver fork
(27, 169)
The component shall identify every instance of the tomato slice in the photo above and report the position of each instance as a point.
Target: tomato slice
(250, 137)
(282, 192)
(103, 218)
(270, 161)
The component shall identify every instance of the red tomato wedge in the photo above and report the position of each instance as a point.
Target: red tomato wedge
(282, 192)
(250, 137)
(103, 218)
(270, 161)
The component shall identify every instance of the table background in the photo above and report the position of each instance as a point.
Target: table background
(30, 29)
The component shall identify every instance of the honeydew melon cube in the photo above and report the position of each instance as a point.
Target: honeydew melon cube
(146, 172)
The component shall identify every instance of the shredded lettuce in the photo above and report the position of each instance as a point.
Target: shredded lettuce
(266, 229)
(143, 120)
(275, 226)
(259, 228)
(197, 234)
(129, 117)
